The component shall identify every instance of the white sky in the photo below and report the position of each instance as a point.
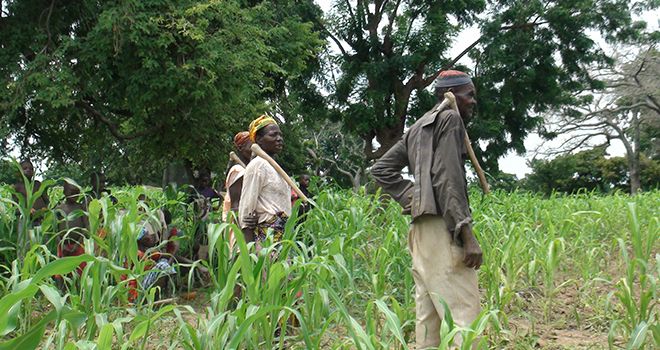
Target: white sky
(513, 163)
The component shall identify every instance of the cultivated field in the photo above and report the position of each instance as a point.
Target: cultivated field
(567, 272)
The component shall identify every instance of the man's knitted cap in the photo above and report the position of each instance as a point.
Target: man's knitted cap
(451, 78)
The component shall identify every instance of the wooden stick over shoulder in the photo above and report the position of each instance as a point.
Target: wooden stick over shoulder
(260, 152)
(236, 159)
(473, 157)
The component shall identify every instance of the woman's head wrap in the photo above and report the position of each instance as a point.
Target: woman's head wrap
(451, 78)
(241, 138)
(259, 124)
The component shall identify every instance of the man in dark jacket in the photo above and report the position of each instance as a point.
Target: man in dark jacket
(445, 253)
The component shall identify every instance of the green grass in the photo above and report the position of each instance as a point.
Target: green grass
(560, 273)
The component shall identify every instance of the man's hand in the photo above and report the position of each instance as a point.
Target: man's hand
(407, 209)
(473, 254)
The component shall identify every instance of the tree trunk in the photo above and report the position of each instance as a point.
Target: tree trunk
(387, 136)
(633, 159)
(635, 179)
(356, 180)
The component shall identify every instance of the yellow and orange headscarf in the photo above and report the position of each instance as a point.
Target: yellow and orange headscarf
(259, 124)
(241, 138)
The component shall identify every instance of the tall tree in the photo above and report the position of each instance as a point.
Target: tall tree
(530, 57)
(160, 79)
(629, 105)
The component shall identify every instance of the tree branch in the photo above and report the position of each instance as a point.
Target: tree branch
(345, 172)
(112, 127)
(350, 10)
(561, 149)
(529, 25)
(410, 25)
(50, 36)
(336, 41)
(390, 25)
(655, 105)
(618, 109)
(570, 127)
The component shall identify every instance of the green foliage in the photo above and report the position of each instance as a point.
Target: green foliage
(132, 84)
(502, 181)
(8, 172)
(587, 170)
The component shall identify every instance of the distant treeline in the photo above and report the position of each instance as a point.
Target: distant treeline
(586, 170)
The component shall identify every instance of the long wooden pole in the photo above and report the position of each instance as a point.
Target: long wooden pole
(473, 157)
(235, 158)
(260, 152)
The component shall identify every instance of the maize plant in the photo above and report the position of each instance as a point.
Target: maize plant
(562, 272)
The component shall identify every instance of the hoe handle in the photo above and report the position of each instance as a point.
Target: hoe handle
(260, 152)
(451, 100)
(235, 159)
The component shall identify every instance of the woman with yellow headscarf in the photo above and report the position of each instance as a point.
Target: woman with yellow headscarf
(266, 197)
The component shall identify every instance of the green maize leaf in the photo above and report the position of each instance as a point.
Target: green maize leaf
(393, 322)
(140, 330)
(238, 337)
(638, 336)
(104, 342)
(53, 296)
(360, 334)
(31, 339)
(10, 302)
(85, 345)
(75, 318)
(448, 318)
(12, 319)
(215, 232)
(61, 266)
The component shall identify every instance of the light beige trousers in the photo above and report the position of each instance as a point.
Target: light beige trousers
(439, 273)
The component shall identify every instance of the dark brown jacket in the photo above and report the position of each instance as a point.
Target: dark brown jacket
(434, 151)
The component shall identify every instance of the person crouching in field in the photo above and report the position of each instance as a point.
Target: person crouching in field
(157, 265)
(445, 253)
(265, 197)
(73, 225)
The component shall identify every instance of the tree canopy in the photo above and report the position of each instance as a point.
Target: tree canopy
(133, 84)
(531, 56)
(127, 87)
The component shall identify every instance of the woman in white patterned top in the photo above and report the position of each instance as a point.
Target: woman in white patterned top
(266, 197)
